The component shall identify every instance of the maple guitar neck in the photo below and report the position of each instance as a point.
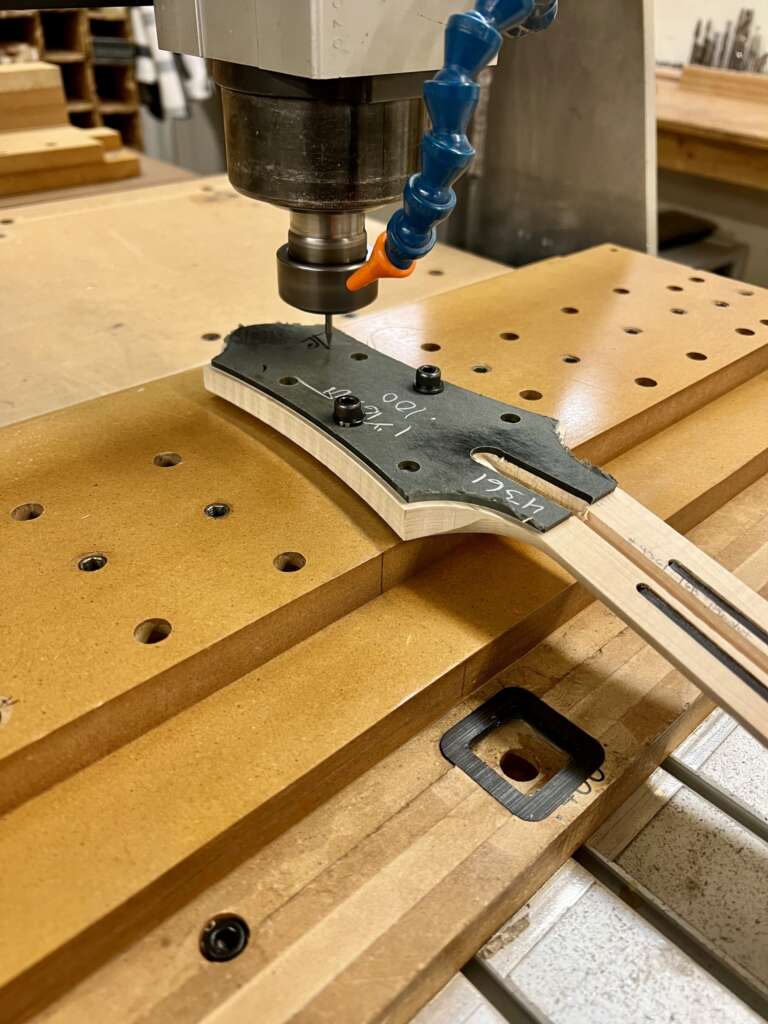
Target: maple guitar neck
(454, 461)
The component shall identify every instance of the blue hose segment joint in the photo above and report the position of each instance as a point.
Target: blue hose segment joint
(543, 15)
(502, 14)
(472, 41)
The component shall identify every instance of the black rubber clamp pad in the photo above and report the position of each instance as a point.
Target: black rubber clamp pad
(585, 753)
(421, 445)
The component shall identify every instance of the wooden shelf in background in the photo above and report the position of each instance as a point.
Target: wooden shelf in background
(714, 123)
(63, 56)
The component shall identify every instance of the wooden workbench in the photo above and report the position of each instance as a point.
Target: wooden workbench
(714, 123)
(214, 748)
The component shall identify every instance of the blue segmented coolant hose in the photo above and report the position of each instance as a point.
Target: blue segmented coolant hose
(472, 40)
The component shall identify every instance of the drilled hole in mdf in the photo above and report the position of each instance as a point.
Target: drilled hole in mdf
(210, 336)
(621, 291)
(409, 466)
(519, 753)
(633, 330)
(697, 280)
(646, 382)
(509, 336)
(26, 512)
(166, 460)
(531, 395)
(7, 220)
(678, 311)
(288, 381)
(571, 359)
(224, 937)
(430, 346)
(359, 357)
(746, 292)
(92, 563)
(747, 331)
(436, 273)
(509, 417)
(481, 368)
(217, 510)
(698, 356)
(152, 631)
(517, 767)
(674, 288)
(721, 303)
(350, 316)
(289, 561)
(570, 310)
(764, 322)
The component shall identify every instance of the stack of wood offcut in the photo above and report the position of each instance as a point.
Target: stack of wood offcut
(39, 148)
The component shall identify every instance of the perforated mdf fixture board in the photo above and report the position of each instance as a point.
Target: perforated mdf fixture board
(206, 634)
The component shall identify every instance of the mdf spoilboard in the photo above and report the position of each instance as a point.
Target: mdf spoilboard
(364, 908)
(103, 886)
(130, 477)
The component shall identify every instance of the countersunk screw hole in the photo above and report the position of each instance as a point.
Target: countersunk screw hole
(745, 330)
(30, 510)
(633, 330)
(289, 561)
(210, 336)
(224, 937)
(167, 459)
(152, 631)
(408, 466)
(430, 346)
(288, 381)
(509, 336)
(92, 563)
(571, 359)
(358, 356)
(217, 510)
(517, 767)
(510, 417)
(481, 368)
(646, 382)
(696, 355)
(530, 395)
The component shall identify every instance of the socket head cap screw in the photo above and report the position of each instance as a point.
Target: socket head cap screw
(429, 380)
(348, 411)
